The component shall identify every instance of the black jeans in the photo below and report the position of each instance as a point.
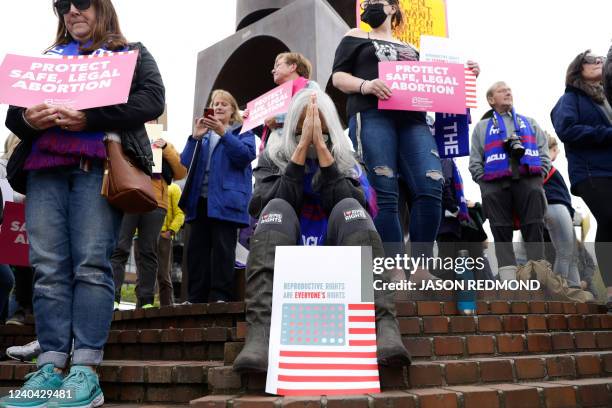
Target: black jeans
(596, 194)
(211, 255)
(149, 225)
(525, 198)
(347, 217)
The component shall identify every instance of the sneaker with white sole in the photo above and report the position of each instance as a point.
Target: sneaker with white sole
(81, 390)
(26, 353)
(38, 388)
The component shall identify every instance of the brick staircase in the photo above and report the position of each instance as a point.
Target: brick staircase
(520, 351)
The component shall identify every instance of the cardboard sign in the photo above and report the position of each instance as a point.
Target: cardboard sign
(420, 17)
(437, 49)
(78, 82)
(14, 244)
(424, 86)
(323, 332)
(155, 132)
(269, 104)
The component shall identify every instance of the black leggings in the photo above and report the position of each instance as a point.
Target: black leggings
(596, 194)
(347, 217)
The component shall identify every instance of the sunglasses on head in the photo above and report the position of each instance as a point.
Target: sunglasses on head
(592, 59)
(63, 6)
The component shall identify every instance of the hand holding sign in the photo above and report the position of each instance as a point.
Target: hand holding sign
(41, 116)
(70, 119)
(377, 88)
(474, 67)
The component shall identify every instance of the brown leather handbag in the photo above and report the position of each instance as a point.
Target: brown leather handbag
(124, 185)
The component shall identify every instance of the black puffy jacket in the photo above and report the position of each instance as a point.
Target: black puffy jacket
(146, 102)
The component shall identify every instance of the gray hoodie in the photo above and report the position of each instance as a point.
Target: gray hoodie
(478, 143)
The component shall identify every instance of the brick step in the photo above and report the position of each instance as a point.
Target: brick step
(180, 316)
(135, 381)
(486, 324)
(449, 295)
(594, 392)
(228, 314)
(502, 344)
(124, 405)
(467, 371)
(168, 344)
(498, 307)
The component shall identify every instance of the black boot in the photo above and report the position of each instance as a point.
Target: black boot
(258, 299)
(390, 350)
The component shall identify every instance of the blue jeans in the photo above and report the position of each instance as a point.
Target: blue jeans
(392, 144)
(72, 232)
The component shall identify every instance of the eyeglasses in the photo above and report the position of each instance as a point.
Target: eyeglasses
(278, 64)
(366, 3)
(592, 59)
(63, 6)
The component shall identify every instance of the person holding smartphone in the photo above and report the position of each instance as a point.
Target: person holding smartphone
(215, 198)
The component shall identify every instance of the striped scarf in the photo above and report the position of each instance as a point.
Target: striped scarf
(58, 147)
(497, 163)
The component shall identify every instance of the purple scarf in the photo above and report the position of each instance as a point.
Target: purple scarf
(58, 147)
(496, 159)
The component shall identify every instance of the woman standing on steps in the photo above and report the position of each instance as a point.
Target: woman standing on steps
(73, 229)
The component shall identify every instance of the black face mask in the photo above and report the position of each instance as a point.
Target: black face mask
(374, 15)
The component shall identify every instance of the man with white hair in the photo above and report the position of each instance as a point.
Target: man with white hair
(508, 160)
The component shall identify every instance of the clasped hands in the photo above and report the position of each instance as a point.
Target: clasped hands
(312, 135)
(44, 116)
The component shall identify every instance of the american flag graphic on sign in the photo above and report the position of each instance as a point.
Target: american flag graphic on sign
(327, 348)
(470, 89)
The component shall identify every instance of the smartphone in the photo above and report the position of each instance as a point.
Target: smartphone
(209, 112)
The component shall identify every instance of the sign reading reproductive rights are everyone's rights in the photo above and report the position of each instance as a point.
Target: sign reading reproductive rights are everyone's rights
(78, 82)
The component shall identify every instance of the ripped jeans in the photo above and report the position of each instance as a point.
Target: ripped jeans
(72, 232)
(397, 143)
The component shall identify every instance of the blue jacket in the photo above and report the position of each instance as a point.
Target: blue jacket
(229, 177)
(586, 134)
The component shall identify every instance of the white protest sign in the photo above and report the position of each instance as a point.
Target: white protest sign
(439, 49)
(323, 332)
(155, 131)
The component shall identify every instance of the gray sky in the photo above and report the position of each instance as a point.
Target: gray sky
(527, 43)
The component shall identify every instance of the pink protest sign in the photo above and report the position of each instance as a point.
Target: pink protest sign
(78, 82)
(424, 86)
(14, 245)
(269, 104)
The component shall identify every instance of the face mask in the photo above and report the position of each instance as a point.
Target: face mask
(374, 15)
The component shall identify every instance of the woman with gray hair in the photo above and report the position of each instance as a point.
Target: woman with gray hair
(306, 183)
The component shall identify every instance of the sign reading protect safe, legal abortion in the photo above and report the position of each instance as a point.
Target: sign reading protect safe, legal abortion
(424, 86)
(269, 104)
(79, 82)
